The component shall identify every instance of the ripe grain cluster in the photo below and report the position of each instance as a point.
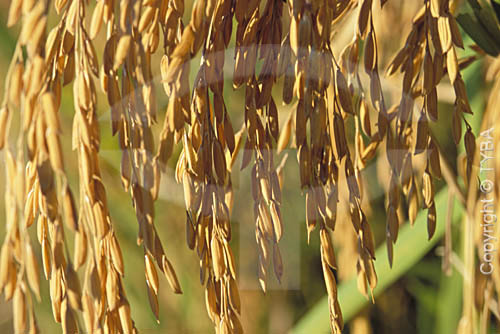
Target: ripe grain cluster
(277, 44)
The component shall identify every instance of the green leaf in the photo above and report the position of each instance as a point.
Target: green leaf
(449, 308)
(477, 32)
(474, 4)
(496, 6)
(486, 17)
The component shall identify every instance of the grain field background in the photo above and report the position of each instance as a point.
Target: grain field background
(272, 166)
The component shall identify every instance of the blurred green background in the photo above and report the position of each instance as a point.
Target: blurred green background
(422, 300)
